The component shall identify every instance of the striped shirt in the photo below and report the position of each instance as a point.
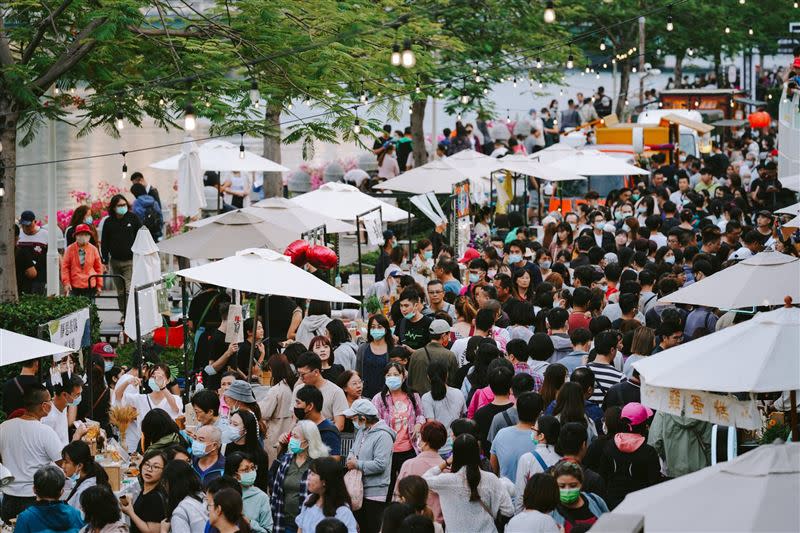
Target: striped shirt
(605, 376)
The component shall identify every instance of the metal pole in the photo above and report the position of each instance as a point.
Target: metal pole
(266, 324)
(358, 249)
(793, 415)
(53, 287)
(253, 343)
(408, 226)
(138, 361)
(186, 337)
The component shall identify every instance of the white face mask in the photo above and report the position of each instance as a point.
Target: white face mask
(82, 239)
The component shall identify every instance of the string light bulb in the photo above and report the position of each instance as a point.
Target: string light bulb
(515, 82)
(670, 25)
(750, 31)
(255, 96)
(570, 60)
(356, 126)
(465, 99)
(120, 123)
(417, 89)
(727, 29)
(56, 91)
(550, 13)
(407, 57)
(124, 167)
(2, 189)
(395, 58)
(241, 146)
(538, 62)
(189, 118)
(602, 46)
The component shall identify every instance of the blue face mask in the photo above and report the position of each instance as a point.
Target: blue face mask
(428, 254)
(76, 402)
(294, 446)
(121, 210)
(410, 315)
(514, 259)
(153, 385)
(357, 424)
(199, 449)
(231, 434)
(108, 365)
(377, 334)
(248, 479)
(88, 220)
(74, 477)
(473, 278)
(394, 382)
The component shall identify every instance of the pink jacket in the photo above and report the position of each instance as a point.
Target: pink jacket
(415, 416)
(481, 398)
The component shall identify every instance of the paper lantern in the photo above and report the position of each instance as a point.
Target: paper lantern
(760, 119)
(321, 257)
(297, 252)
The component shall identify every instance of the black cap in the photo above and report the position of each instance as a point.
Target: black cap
(27, 218)
(388, 234)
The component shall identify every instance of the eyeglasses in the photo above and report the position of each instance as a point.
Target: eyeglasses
(435, 292)
(246, 470)
(151, 466)
(302, 374)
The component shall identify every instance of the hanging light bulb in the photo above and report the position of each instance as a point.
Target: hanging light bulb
(124, 167)
(407, 57)
(570, 61)
(750, 31)
(465, 99)
(417, 89)
(356, 126)
(289, 106)
(602, 46)
(440, 94)
(241, 146)
(56, 91)
(255, 96)
(727, 29)
(508, 118)
(2, 189)
(670, 25)
(633, 70)
(485, 90)
(588, 69)
(189, 118)
(458, 117)
(742, 2)
(597, 75)
(120, 123)
(550, 13)
(160, 101)
(626, 102)
(515, 82)
(540, 85)
(690, 51)
(538, 62)
(395, 57)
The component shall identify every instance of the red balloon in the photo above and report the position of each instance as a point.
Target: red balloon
(297, 252)
(759, 119)
(321, 257)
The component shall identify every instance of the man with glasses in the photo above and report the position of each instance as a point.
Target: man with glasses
(67, 394)
(671, 335)
(436, 301)
(26, 445)
(334, 403)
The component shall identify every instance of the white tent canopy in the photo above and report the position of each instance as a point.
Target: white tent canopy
(265, 272)
(436, 176)
(595, 163)
(520, 164)
(223, 156)
(756, 491)
(15, 348)
(791, 182)
(763, 279)
(344, 202)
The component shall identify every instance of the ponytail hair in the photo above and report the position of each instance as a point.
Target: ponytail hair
(467, 454)
(437, 374)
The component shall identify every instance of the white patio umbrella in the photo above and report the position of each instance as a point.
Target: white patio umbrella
(285, 213)
(146, 269)
(265, 272)
(15, 348)
(225, 236)
(473, 161)
(436, 176)
(520, 164)
(794, 223)
(553, 153)
(763, 279)
(759, 355)
(756, 491)
(344, 202)
(594, 163)
(223, 156)
(190, 180)
(790, 210)
(791, 182)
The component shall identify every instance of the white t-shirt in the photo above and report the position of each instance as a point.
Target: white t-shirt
(40, 237)
(459, 348)
(144, 404)
(532, 521)
(26, 446)
(58, 421)
(334, 402)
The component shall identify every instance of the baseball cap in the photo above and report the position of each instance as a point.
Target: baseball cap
(388, 234)
(27, 218)
(636, 413)
(742, 253)
(82, 228)
(103, 349)
(469, 255)
(361, 407)
(764, 213)
(439, 327)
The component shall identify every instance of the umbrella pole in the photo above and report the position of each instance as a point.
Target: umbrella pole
(138, 328)
(186, 337)
(408, 226)
(253, 344)
(360, 267)
(267, 341)
(793, 415)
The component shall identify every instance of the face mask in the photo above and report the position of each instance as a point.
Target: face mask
(199, 449)
(108, 365)
(121, 210)
(600, 225)
(428, 255)
(534, 440)
(556, 303)
(74, 477)
(670, 260)
(491, 273)
(82, 239)
(514, 258)
(604, 288)
(231, 434)
(569, 495)
(641, 209)
(546, 264)
(88, 220)
(153, 384)
(294, 446)
(394, 243)
(76, 402)
(619, 215)
(377, 334)
(573, 226)
(248, 479)
(635, 197)
(410, 315)
(357, 424)
(626, 228)
(300, 413)
(473, 278)
(393, 382)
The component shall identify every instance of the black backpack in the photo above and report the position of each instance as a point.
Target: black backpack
(153, 221)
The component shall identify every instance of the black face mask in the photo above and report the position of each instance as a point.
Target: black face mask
(300, 413)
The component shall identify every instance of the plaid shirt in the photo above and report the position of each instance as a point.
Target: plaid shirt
(277, 501)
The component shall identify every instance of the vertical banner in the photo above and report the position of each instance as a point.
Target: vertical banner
(373, 227)
(235, 328)
(461, 199)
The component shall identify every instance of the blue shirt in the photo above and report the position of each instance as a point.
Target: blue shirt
(508, 445)
(330, 436)
(311, 516)
(453, 286)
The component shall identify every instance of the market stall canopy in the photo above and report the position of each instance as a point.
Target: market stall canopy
(729, 123)
(699, 127)
(437, 176)
(763, 279)
(15, 348)
(553, 153)
(265, 272)
(344, 202)
(756, 491)
(520, 164)
(474, 162)
(793, 209)
(223, 156)
(758, 355)
(224, 237)
(295, 220)
(594, 163)
(794, 223)
(791, 182)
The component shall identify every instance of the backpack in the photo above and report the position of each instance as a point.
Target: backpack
(153, 221)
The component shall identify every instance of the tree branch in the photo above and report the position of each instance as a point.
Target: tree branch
(41, 29)
(153, 32)
(6, 59)
(81, 46)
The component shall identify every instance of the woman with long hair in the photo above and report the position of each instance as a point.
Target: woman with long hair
(79, 465)
(443, 402)
(612, 424)
(422, 263)
(159, 432)
(239, 396)
(643, 344)
(401, 409)
(521, 285)
(242, 435)
(344, 349)
(149, 508)
(465, 317)
(81, 215)
(554, 377)
(373, 355)
(101, 511)
(328, 497)
(413, 491)
(562, 240)
(289, 474)
(277, 406)
(241, 467)
(321, 346)
(186, 504)
(352, 385)
(471, 498)
(570, 407)
(226, 514)
(388, 167)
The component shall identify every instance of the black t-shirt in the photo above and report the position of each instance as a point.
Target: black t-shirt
(379, 142)
(437, 241)
(415, 335)
(24, 260)
(216, 347)
(150, 507)
(38, 256)
(209, 299)
(279, 316)
(333, 373)
(13, 391)
(572, 517)
(382, 264)
(483, 418)
(243, 357)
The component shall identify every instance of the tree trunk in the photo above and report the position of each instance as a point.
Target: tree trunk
(718, 66)
(624, 84)
(679, 57)
(273, 181)
(418, 132)
(8, 136)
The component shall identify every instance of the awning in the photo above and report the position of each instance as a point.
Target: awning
(729, 123)
(683, 121)
(749, 101)
(15, 348)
